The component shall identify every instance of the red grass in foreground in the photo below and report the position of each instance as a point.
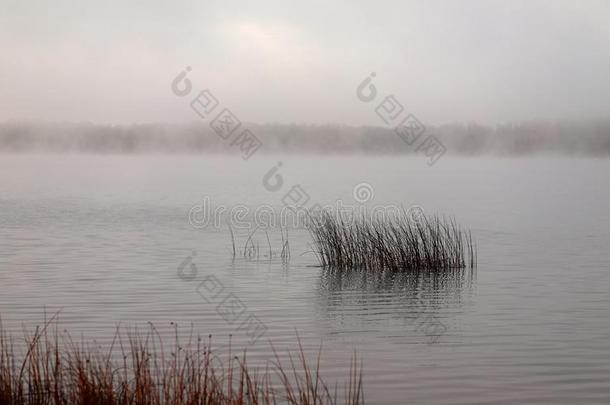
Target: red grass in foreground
(56, 370)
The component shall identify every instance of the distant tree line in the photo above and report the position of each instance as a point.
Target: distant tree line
(591, 137)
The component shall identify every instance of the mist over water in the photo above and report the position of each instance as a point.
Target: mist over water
(161, 163)
(581, 138)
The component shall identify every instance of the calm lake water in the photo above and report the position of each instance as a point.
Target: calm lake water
(102, 238)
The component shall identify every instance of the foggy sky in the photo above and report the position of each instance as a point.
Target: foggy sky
(283, 61)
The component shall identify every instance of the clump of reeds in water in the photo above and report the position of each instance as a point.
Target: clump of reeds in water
(395, 243)
(136, 369)
(252, 251)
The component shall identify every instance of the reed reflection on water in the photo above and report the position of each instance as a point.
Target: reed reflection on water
(417, 301)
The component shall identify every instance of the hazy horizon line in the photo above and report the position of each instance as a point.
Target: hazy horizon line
(566, 137)
(37, 121)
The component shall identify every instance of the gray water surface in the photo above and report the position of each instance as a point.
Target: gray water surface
(102, 237)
